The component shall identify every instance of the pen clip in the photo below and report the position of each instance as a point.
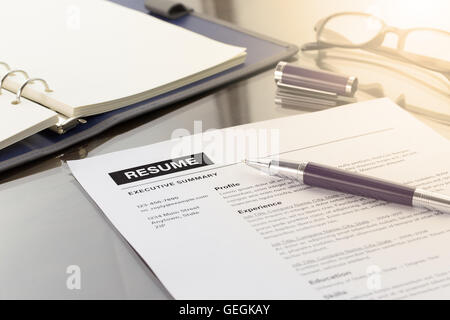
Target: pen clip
(303, 90)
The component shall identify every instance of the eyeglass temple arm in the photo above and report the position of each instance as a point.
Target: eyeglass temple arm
(316, 45)
(386, 52)
(417, 59)
(336, 36)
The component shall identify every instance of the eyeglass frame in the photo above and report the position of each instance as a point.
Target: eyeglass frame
(374, 45)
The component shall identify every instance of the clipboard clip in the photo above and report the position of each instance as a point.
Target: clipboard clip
(167, 8)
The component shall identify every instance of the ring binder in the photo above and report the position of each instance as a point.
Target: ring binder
(64, 124)
(11, 73)
(5, 65)
(30, 81)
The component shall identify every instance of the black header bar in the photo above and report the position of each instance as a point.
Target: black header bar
(161, 168)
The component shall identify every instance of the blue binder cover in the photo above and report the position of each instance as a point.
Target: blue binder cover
(262, 53)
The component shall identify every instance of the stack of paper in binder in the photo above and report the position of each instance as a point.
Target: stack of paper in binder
(312, 89)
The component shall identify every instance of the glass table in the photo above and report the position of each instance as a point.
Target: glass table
(48, 224)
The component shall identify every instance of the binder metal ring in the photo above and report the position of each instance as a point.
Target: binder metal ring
(6, 65)
(30, 81)
(11, 73)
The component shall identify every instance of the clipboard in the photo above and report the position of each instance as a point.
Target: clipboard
(262, 53)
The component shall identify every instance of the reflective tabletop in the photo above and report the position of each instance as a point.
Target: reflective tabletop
(50, 229)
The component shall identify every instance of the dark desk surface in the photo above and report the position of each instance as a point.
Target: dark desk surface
(48, 223)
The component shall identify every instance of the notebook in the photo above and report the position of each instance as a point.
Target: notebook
(95, 56)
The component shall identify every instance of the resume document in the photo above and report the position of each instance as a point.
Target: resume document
(211, 227)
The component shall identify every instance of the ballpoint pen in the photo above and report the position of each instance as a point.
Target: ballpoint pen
(318, 175)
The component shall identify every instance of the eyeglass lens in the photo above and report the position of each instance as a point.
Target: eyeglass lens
(427, 47)
(350, 30)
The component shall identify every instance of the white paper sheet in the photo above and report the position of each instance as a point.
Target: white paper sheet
(224, 230)
(22, 120)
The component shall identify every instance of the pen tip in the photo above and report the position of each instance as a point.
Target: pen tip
(261, 165)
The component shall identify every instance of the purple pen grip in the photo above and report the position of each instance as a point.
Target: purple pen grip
(317, 80)
(330, 178)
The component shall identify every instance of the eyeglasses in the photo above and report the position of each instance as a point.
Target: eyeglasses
(426, 47)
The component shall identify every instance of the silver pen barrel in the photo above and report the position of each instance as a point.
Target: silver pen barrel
(284, 169)
(279, 168)
(431, 200)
